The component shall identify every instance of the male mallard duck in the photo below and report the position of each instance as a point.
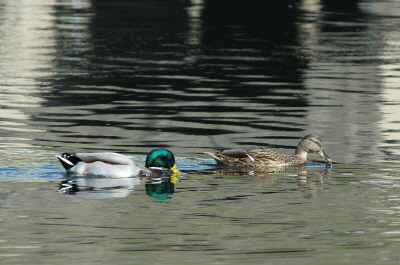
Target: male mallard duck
(115, 165)
(264, 157)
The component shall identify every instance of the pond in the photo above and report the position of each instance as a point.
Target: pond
(199, 76)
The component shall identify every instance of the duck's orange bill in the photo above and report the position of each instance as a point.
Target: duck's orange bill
(324, 156)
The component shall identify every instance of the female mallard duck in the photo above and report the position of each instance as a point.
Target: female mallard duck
(264, 157)
(115, 165)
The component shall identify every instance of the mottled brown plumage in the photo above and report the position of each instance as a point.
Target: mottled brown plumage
(264, 157)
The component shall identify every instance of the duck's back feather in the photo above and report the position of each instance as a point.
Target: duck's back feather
(254, 157)
(108, 158)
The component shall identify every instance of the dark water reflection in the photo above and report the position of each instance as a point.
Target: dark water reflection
(163, 71)
(172, 75)
(132, 75)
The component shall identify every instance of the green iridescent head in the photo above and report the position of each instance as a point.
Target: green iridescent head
(162, 158)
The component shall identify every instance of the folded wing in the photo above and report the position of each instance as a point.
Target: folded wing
(109, 158)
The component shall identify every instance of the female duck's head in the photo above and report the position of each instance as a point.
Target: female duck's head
(162, 158)
(311, 143)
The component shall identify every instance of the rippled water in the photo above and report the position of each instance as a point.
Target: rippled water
(195, 76)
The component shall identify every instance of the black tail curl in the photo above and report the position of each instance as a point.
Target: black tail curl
(69, 160)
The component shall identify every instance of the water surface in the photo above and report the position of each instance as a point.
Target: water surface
(195, 76)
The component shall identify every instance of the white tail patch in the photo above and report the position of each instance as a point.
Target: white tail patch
(65, 160)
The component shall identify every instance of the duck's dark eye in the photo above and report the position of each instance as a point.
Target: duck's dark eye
(318, 143)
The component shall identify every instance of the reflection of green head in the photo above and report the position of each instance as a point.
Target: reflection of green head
(160, 191)
(160, 158)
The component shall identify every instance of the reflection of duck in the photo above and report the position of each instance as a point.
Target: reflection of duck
(264, 157)
(115, 165)
(163, 189)
(239, 171)
(100, 188)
